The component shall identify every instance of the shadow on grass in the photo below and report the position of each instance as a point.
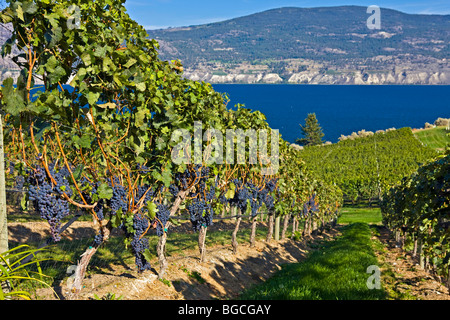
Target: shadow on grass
(336, 272)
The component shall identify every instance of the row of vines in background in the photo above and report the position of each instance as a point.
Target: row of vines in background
(417, 210)
(366, 167)
(98, 135)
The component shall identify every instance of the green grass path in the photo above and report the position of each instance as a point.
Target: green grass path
(366, 215)
(337, 271)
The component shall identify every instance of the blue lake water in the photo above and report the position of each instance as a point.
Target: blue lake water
(341, 109)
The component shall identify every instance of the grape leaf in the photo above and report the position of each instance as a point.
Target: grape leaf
(105, 191)
(152, 210)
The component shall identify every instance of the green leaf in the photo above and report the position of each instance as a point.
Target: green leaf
(57, 74)
(230, 194)
(41, 131)
(116, 79)
(141, 86)
(8, 87)
(105, 191)
(140, 117)
(19, 12)
(78, 171)
(93, 97)
(129, 224)
(160, 143)
(100, 51)
(54, 36)
(30, 7)
(87, 59)
(165, 130)
(108, 65)
(84, 142)
(6, 15)
(23, 202)
(152, 210)
(167, 177)
(116, 220)
(193, 98)
(139, 149)
(12, 98)
(51, 64)
(130, 63)
(148, 255)
(175, 222)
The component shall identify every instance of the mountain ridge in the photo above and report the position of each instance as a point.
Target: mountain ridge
(330, 45)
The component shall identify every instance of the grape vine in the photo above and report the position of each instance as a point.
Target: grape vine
(104, 144)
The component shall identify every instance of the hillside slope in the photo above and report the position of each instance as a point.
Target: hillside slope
(314, 45)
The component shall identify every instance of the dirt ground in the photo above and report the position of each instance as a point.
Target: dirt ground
(224, 275)
(409, 278)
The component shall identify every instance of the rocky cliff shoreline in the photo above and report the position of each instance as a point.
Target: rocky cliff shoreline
(400, 76)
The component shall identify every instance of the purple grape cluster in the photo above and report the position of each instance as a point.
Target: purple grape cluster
(98, 239)
(192, 175)
(149, 195)
(11, 167)
(269, 201)
(19, 182)
(142, 169)
(249, 193)
(173, 189)
(310, 206)
(271, 184)
(99, 209)
(47, 198)
(163, 216)
(141, 223)
(211, 194)
(201, 213)
(223, 199)
(88, 196)
(200, 209)
(119, 200)
(139, 243)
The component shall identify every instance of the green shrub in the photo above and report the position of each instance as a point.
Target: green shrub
(15, 274)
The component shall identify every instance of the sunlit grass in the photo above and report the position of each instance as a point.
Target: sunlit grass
(435, 138)
(365, 215)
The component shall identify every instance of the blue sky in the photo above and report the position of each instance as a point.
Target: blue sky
(154, 14)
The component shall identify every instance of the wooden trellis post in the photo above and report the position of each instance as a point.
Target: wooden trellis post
(3, 221)
(4, 286)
